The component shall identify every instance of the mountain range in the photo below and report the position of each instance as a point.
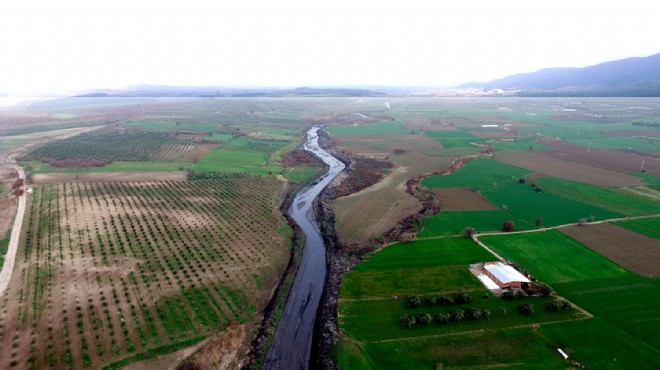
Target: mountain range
(638, 76)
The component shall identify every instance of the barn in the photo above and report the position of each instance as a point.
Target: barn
(503, 275)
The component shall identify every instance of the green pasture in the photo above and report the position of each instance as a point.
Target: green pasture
(479, 174)
(40, 167)
(454, 222)
(170, 125)
(513, 348)
(644, 144)
(454, 139)
(369, 129)
(552, 257)
(227, 160)
(651, 179)
(647, 226)
(518, 145)
(600, 197)
(525, 202)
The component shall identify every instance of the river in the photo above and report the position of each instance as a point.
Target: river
(292, 342)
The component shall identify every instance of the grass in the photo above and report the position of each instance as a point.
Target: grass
(600, 197)
(647, 226)
(517, 348)
(171, 125)
(40, 167)
(651, 179)
(371, 304)
(454, 222)
(541, 252)
(479, 174)
(227, 160)
(454, 139)
(523, 201)
(153, 353)
(375, 128)
(524, 145)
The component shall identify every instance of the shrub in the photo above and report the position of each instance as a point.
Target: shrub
(407, 320)
(414, 301)
(462, 297)
(485, 314)
(473, 313)
(502, 311)
(526, 309)
(430, 300)
(424, 319)
(444, 300)
(457, 315)
(508, 226)
(442, 318)
(469, 232)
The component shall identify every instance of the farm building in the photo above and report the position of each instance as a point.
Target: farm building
(503, 275)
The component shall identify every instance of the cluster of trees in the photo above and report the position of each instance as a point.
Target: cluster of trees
(557, 305)
(442, 300)
(458, 315)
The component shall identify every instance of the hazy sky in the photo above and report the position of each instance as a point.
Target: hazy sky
(70, 44)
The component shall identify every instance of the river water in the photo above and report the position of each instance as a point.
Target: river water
(292, 342)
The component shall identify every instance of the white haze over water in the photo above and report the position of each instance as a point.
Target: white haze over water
(74, 44)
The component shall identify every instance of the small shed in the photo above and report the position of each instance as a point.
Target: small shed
(503, 275)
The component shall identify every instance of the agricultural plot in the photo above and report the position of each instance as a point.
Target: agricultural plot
(454, 139)
(368, 129)
(567, 170)
(635, 252)
(623, 333)
(107, 270)
(461, 199)
(115, 145)
(454, 222)
(373, 300)
(479, 174)
(649, 226)
(613, 160)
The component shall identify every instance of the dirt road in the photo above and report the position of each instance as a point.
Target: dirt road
(8, 266)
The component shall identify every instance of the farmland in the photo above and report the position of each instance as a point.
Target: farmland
(624, 304)
(373, 299)
(170, 257)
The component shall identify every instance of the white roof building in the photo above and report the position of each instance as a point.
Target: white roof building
(504, 275)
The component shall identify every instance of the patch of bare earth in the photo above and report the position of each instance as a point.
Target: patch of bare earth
(55, 178)
(198, 152)
(462, 199)
(613, 160)
(567, 170)
(633, 251)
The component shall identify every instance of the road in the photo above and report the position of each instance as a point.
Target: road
(10, 257)
(292, 342)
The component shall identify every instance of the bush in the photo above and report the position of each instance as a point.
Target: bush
(407, 320)
(508, 226)
(502, 311)
(444, 300)
(485, 314)
(545, 290)
(462, 297)
(457, 315)
(430, 300)
(424, 319)
(442, 318)
(526, 309)
(469, 232)
(473, 313)
(414, 301)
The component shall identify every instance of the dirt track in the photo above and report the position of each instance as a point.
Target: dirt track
(8, 265)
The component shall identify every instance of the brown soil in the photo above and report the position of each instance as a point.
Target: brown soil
(635, 252)
(99, 280)
(55, 178)
(567, 170)
(198, 152)
(7, 213)
(630, 133)
(613, 160)
(362, 173)
(462, 199)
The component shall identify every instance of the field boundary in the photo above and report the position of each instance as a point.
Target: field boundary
(12, 248)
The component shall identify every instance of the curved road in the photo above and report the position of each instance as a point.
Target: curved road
(292, 342)
(8, 266)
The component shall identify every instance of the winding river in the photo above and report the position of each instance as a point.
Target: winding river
(292, 342)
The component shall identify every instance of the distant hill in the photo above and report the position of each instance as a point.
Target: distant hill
(197, 91)
(626, 77)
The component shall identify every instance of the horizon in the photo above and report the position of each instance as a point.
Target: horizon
(77, 46)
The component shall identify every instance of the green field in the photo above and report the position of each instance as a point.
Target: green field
(519, 145)
(228, 160)
(540, 252)
(624, 304)
(647, 226)
(480, 174)
(40, 167)
(600, 197)
(454, 139)
(373, 301)
(375, 128)
(525, 202)
(454, 222)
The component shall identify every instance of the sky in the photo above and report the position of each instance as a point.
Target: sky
(67, 45)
